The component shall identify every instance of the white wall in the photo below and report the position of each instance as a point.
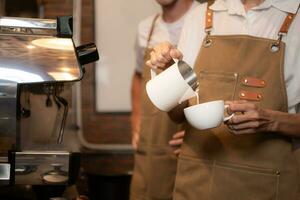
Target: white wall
(116, 26)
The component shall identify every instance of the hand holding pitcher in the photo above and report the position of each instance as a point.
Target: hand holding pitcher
(162, 56)
(175, 84)
(172, 86)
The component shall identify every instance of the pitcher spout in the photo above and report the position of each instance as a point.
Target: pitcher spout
(190, 93)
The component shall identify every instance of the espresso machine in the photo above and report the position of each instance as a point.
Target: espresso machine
(38, 65)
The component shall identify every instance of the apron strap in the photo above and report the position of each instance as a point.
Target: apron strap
(287, 23)
(209, 17)
(151, 30)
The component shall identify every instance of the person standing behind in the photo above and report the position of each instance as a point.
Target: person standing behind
(154, 136)
(247, 53)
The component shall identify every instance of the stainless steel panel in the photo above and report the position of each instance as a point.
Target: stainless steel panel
(4, 171)
(37, 59)
(8, 121)
(28, 23)
(37, 68)
(42, 125)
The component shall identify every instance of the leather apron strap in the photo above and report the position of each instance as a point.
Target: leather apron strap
(287, 23)
(209, 17)
(151, 30)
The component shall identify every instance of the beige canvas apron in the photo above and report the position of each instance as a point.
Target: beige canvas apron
(155, 164)
(217, 165)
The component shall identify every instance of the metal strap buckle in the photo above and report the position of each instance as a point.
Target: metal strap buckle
(208, 30)
(274, 47)
(207, 42)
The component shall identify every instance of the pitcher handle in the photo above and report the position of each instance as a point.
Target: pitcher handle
(153, 73)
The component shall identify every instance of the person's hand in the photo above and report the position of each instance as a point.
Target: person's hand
(176, 142)
(250, 118)
(135, 139)
(82, 197)
(135, 130)
(162, 56)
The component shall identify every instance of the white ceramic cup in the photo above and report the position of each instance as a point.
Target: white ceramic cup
(206, 115)
(172, 86)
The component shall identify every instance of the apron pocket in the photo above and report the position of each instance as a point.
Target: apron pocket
(192, 179)
(236, 182)
(211, 83)
(162, 172)
(198, 178)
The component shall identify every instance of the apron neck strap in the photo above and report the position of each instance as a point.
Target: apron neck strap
(209, 17)
(151, 30)
(287, 23)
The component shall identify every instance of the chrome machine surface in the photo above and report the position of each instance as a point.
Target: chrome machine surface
(38, 64)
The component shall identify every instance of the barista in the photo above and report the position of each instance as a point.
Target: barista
(245, 52)
(152, 131)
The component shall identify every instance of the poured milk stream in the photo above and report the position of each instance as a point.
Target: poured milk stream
(197, 95)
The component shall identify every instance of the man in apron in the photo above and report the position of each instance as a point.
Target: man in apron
(247, 53)
(154, 136)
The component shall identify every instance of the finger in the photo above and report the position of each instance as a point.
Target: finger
(176, 142)
(162, 59)
(258, 126)
(134, 144)
(177, 152)
(179, 134)
(155, 62)
(246, 125)
(176, 54)
(236, 101)
(228, 110)
(162, 63)
(164, 49)
(166, 54)
(167, 62)
(252, 115)
(163, 46)
(243, 132)
(149, 64)
(135, 140)
(243, 107)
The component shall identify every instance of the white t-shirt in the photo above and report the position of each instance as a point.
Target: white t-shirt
(162, 32)
(263, 21)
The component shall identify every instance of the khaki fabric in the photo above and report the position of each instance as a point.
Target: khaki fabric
(155, 164)
(217, 165)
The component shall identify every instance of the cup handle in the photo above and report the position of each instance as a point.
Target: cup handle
(229, 117)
